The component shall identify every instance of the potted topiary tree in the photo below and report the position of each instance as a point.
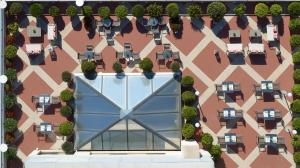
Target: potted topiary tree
(15, 8)
(175, 67)
(240, 10)
(296, 124)
(187, 82)
(146, 65)
(188, 97)
(121, 11)
(104, 12)
(10, 52)
(261, 10)
(9, 138)
(71, 11)
(88, 68)
(11, 74)
(155, 10)
(215, 152)
(188, 131)
(66, 111)
(296, 142)
(296, 58)
(13, 28)
(54, 11)
(11, 153)
(294, 9)
(295, 40)
(10, 101)
(216, 10)
(66, 95)
(172, 10)
(87, 11)
(194, 11)
(68, 147)
(67, 77)
(189, 112)
(297, 158)
(276, 11)
(36, 9)
(296, 91)
(295, 106)
(296, 75)
(206, 141)
(10, 125)
(88, 20)
(294, 25)
(66, 128)
(117, 67)
(138, 11)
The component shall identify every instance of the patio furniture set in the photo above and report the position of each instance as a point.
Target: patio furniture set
(155, 26)
(44, 128)
(230, 139)
(108, 27)
(90, 55)
(128, 54)
(268, 115)
(267, 88)
(43, 101)
(271, 141)
(226, 115)
(167, 55)
(226, 88)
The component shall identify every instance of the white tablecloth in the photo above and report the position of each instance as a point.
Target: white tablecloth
(272, 33)
(256, 48)
(51, 31)
(235, 48)
(33, 48)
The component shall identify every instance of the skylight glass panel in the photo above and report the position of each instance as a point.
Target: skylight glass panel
(115, 89)
(160, 80)
(95, 122)
(170, 89)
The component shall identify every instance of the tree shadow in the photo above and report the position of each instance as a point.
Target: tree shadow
(18, 64)
(236, 59)
(23, 21)
(258, 59)
(60, 23)
(262, 23)
(76, 23)
(242, 22)
(224, 32)
(20, 40)
(140, 26)
(37, 59)
(280, 26)
(197, 24)
(126, 26)
(15, 163)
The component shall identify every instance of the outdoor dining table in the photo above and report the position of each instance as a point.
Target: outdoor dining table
(230, 139)
(34, 31)
(271, 139)
(255, 34)
(167, 54)
(267, 86)
(272, 33)
(106, 22)
(153, 21)
(229, 113)
(45, 128)
(269, 114)
(89, 54)
(228, 87)
(127, 53)
(44, 100)
(234, 34)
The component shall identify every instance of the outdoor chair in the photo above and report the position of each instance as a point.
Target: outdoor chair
(155, 30)
(127, 46)
(259, 115)
(237, 87)
(116, 23)
(136, 56)
(107, 31)
(89, 47)
(81, 57)
(159, 56)
(220, 114)
(176, 56)
(119, 55)
(99, 26)
(34, 99)
(167, 46)
(278, 115)
(276, 86)
(261, 143)
(239, 114)
(54, 100)
(162, 21)
(221, 140)
(110, 40)
(157, 38)
(239, 139)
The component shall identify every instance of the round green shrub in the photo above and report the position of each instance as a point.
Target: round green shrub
(117, 67)
(261, 10)
(296, 75)
(87, 10)
(240, 9)
(66, 111)
(188, 97)
(194, 11)
(121, 11)
(9, 101)
(10, 125)
(11, 153)
(295, 40)
(189, 112)
(295, 106)
(68, 147)
(36, 9)
(175, 66)
(297, 158)
(66, 128)
(296, 57)
(66, 95)
(88, 67)
(216, 10)
(215, 152)
(54, 11)
(187, 81)
(296, 90)
(66, 76)
(71, 10)
(294, 9)
(296, 124)
(206, 140)
(146, 65)
(276, 10)
(172, 10)
(188, 131)
(11, 74)
(294, 25)
(104, 11)
(15, 8)
(10, 51)
(155, 10)
(138, 10)
(13, 28)
(296, 142)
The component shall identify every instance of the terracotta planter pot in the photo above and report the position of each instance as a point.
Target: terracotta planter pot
(9, 138)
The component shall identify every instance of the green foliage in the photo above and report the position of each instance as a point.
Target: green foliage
(71, 10)
(54, 11)
(36, 9)
(121, 11)
(261, 10)
(10, 51)
(172, 10)
(294, 25)
(240, 9)
(15, 8)
(295, 40)
(188, 97)
(117, 67)
(194, 11)
(296, 124)
(68, 147)
(296, 57)
(296, 75)
(104, 11)
(188, 131)
(296, 142)
(13, 28)
(187, 82)
(216, 10)
(66, 76)
(296, 90)
(10, 125)
(66, 128)
(215, 152)
(295, 106)
(87, 10)
(9, 101)
(66, 95)
(88, 67)
(11, 153)
(294, 9)
(206, 140)
(175, 66)
(146, 65)
(11, 74)
(138, 10)
(276, 10)
(66, 111)
(297, 158)
(189, 112)
(155, 10)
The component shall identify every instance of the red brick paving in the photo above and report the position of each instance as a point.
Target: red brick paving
(198, 84)
(162, 66)
(109, 57)
(286, 80)
(270, 161)
(225, 162)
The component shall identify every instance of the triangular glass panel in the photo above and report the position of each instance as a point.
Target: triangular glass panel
(173, 87)
(94, 83)
(160, 80)
(83, 137)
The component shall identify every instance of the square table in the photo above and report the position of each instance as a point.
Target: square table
(44, 99)
(266, 86)
(153, 21)
(230, 139)
(127, 53)
(34, 31)
(229, 113)
(271, 139)
(255, 34)
(269, 114)
(89, 54)
(228, 87)
(234, 34)
(106, 22)
(167, 54)
(45, 128)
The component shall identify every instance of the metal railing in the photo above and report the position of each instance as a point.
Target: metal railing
(2, 38)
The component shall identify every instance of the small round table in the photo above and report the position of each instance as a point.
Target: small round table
(153, 22)
(106, 22)
(167, 54)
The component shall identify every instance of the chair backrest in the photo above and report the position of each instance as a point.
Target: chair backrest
(127, 46)
(176, 55)
(167, 46)
(116, 23)
(136, 55)
(220, 113)
(237, 87)
(276, 86)
(99, 23)
(119, 55)
(218, 87)
(239, 113)
(239, 139)
(280, 141)
(221, 140)
(157, 36)
(55, 100)
(159, 56)
(259, 115)
(277, 114)
(260, 140)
